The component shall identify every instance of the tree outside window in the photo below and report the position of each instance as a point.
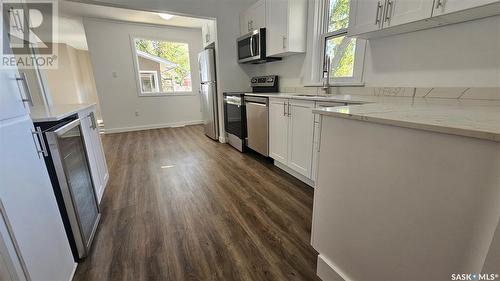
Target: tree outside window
(340, 49)
(169, 61)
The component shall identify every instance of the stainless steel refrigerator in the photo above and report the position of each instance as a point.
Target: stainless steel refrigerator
(208, 93)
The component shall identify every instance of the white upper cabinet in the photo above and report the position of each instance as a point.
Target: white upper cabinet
(443, 7)
(399, 12)
(365, 16)
(286, 22)
(208, 33)
(11, 104)
(253, 18)
(377, 18)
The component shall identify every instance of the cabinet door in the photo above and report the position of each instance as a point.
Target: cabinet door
(300, 137)
(405, 11)
(100, 158)
(278, 130)
(95, 152)
(276, 27)
(89, 139)
(442, 7)
(365, 16)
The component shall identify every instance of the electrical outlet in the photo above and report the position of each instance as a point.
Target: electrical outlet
(137, 114)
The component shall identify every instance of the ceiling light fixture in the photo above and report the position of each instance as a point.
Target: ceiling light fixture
(165, 16)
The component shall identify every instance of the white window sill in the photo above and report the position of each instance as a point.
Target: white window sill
(167, 94)
(337, 84)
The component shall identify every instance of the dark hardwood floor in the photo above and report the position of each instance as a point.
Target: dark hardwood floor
(180, 206)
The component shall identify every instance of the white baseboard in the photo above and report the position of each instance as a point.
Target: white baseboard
(150, 127)
(327, 271)
(74, 271)
(294, 174)
(222, 139)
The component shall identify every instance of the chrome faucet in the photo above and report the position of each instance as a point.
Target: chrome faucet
(326, 75)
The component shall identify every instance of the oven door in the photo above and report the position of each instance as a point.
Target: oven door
(249, 47)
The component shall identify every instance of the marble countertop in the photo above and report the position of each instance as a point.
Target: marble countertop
(334, 98)
(470, 118)
(57, 112)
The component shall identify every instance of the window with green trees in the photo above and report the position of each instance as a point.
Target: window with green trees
(166, 61)
(341, 50)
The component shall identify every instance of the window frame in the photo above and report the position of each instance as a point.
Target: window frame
(359, 52)
(152, 74)
(135, 59)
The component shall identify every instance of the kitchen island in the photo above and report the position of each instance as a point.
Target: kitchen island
(408, 189)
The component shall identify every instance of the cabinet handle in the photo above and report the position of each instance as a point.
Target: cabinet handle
(26, 88)
(377, 14)
(388, 11)
(439, 4)
(284, 108)
(284, 42)
(289, 112)
(251, 47)
(38, 134)
(251, 25)
(93, 123)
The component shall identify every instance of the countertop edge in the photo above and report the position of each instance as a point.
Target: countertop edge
(59, 112)
(414, 125)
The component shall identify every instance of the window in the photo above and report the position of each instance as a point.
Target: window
(149, 81)
(345, 54)
(162, 67)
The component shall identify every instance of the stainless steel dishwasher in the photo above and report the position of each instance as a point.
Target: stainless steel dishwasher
(257, 124)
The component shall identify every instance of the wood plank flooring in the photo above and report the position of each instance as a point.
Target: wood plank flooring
(180, 206)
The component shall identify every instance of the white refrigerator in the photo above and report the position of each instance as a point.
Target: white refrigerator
(33, 242)
(208, 93)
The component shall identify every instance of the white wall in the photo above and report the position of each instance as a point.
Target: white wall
(230, 75)
(111, 52)
(459, 55)
(63, 81)
(72, 82)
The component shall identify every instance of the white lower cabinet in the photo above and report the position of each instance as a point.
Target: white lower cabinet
(291, 133)
(95, 151)
(278, 130)
(300, 136)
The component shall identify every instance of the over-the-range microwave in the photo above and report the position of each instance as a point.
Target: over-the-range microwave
(252, 47)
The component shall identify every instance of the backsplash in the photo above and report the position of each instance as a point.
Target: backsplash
(447, 93)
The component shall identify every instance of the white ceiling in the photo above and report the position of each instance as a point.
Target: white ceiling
(71, 29)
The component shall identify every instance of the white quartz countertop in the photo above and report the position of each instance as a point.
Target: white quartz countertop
(470, 118)
(333, 98)
(57, 112)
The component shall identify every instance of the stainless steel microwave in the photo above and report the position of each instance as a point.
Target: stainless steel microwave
(252, 47)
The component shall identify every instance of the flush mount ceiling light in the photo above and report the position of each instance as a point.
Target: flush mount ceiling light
(165, 16)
